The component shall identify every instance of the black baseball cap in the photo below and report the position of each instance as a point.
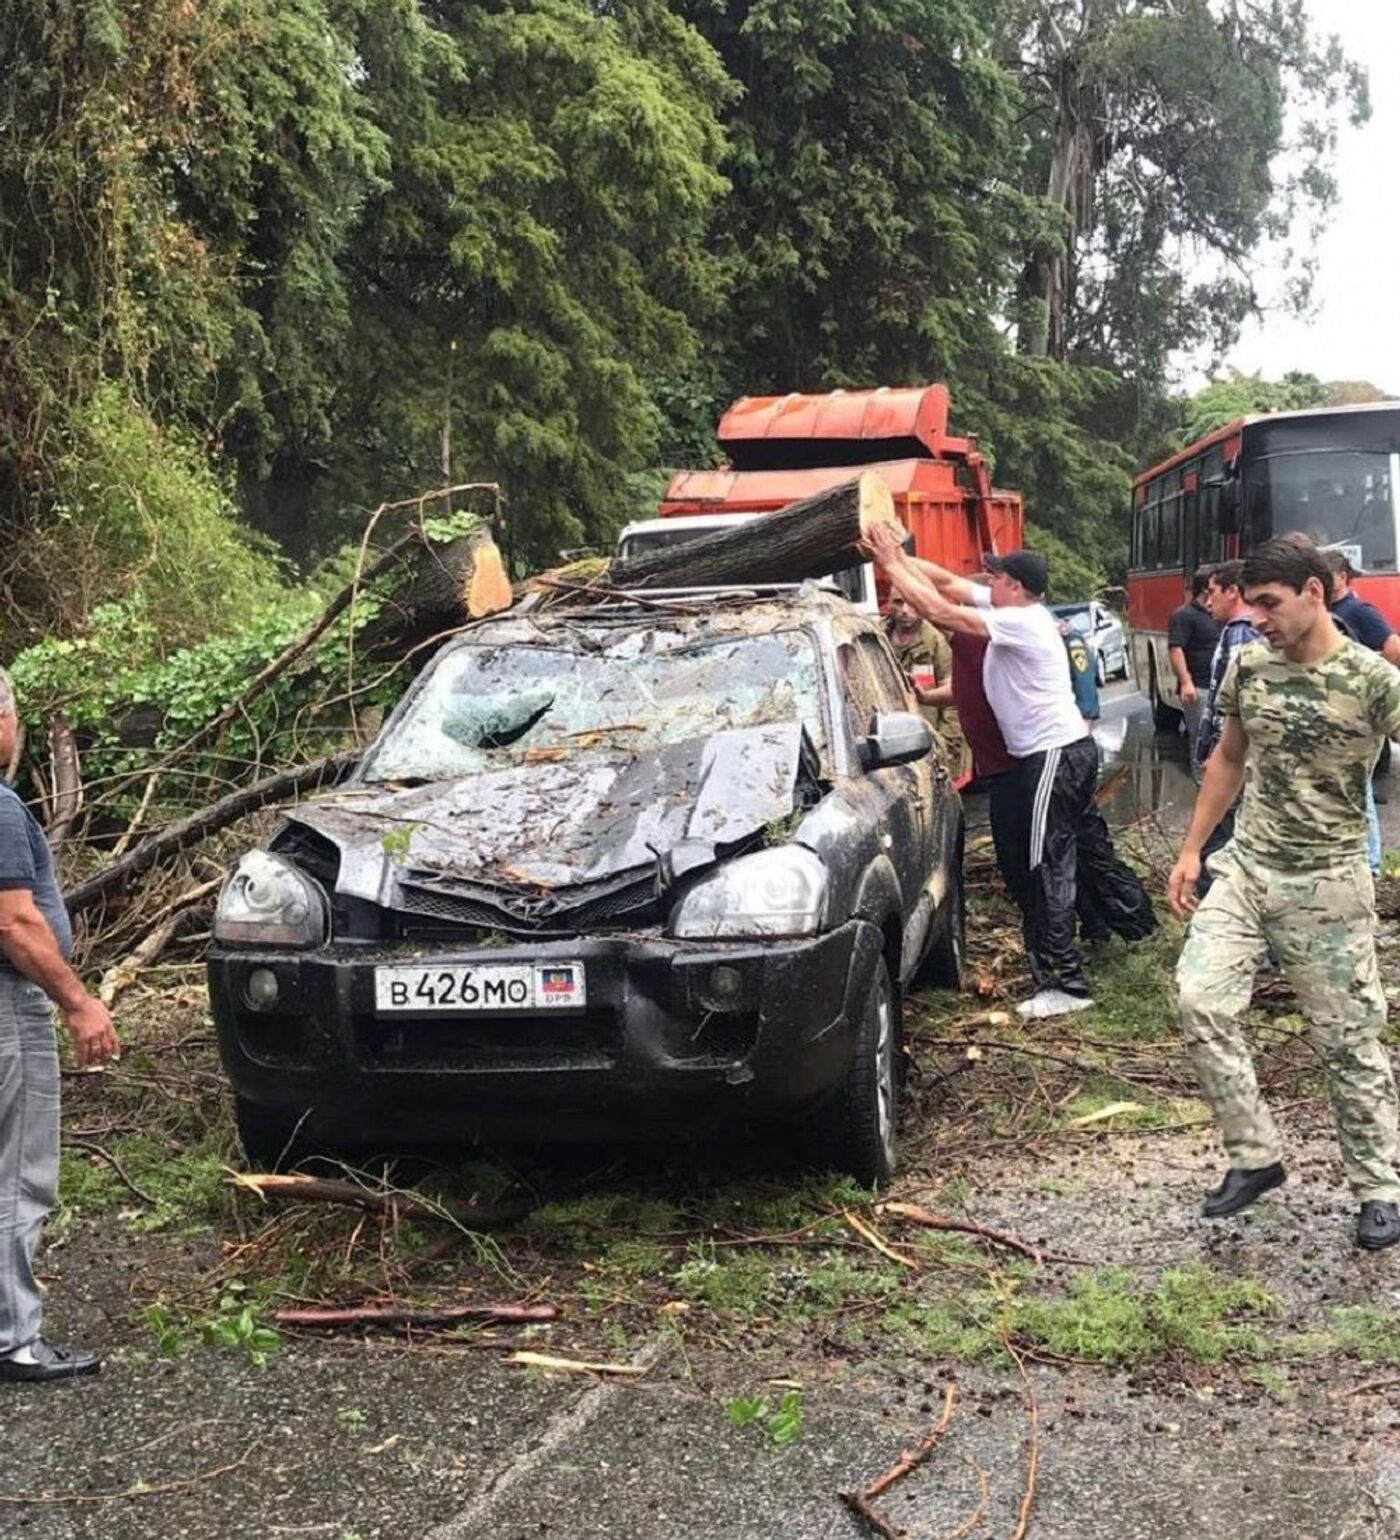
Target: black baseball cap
(1026, 567)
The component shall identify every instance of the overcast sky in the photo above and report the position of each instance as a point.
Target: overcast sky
(1355, 333)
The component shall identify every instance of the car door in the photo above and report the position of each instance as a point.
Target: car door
(1109, 635)
(907, 793)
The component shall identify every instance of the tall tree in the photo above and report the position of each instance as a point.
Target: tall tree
(869, 228)
(533, 260)
(1157, 132)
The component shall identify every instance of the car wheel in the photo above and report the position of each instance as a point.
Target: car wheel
(269, 1139)
(857, 1128)
(1100, 669)
(943, 966)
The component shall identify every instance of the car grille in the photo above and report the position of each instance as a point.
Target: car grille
(633, 905)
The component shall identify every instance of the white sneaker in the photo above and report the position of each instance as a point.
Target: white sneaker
(1052, 1002)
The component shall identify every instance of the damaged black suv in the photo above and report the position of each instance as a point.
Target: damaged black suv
(619, 872)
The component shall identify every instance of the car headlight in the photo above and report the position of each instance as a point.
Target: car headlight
(779, 892)
(268, 902)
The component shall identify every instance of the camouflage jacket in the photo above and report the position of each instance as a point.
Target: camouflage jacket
(1314, 732)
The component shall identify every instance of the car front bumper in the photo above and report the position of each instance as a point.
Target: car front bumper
(665, 1041)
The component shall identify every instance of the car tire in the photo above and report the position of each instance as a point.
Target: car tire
(942, 966)
(1100, 670)
(856, 1130)
(270, 1139)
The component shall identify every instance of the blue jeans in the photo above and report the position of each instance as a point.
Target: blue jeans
(1373, 831)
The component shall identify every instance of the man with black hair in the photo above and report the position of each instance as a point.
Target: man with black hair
(1191, 637)
(1304, 712)
(1362, 619)
(1042, 809)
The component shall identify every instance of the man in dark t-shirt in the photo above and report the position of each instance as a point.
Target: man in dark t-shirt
(1363, 620)
(35, 942)
(1191, 638)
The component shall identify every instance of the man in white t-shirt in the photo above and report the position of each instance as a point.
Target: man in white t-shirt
(1044, 822)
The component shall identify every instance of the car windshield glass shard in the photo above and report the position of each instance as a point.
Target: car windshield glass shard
(490, 707)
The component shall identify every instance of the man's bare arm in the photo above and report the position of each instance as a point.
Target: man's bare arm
(926, 601)
(885, 550)
(1186, 686)
(949, 584)
(27, 939)
(1220, 785)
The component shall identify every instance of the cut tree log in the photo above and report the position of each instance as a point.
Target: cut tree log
(282, 787)
(432, 588)
(807, 539)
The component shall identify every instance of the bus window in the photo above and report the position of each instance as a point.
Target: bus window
(1208, 507)
(1340, 497)
(1169, 522)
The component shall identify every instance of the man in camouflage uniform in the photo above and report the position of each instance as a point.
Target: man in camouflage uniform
(1305, 710)
(923, 651)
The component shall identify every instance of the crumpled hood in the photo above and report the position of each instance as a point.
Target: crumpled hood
(554, 824)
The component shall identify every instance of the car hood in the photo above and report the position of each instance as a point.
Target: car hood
(561, 823)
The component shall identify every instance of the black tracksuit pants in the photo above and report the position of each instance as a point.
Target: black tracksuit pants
(1058, 860)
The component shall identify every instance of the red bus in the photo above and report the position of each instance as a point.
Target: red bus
(1333, 472)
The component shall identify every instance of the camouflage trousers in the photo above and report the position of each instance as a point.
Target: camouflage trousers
(1320, 927)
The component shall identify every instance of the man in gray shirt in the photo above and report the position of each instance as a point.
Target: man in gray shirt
(35, 942)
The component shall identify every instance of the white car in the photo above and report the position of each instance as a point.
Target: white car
(1103, 631)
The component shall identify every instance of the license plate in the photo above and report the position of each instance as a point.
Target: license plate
(480, 987)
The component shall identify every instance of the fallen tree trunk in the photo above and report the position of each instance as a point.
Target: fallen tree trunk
(409, 1205)
(282, 787)
(449, 1315)
(432, 588)
(807, 539)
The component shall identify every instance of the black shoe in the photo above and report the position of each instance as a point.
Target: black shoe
(1377, 1226)
(42, 1361)
(1240, 1189)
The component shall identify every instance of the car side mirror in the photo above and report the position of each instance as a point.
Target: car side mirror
(900, 737)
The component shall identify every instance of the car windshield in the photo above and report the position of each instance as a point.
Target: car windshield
(488, 707)
(1077, 615)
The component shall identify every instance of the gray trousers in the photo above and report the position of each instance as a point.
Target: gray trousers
(28, 1150)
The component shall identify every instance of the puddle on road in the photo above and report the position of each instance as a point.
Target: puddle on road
(1159, 782)
(1158, 779)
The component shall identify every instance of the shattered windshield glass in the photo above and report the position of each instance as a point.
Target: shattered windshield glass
(488, 707)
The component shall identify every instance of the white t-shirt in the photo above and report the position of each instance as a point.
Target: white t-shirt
(1026, 677)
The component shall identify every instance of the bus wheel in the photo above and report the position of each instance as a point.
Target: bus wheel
(1165, 718)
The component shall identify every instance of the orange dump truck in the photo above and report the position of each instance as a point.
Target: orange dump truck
(782, 448)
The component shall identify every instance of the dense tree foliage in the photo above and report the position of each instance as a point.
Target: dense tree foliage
(266, 263)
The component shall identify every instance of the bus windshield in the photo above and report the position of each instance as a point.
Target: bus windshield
(1341, 497)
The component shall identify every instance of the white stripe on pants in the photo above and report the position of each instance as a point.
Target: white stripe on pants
(1040, 809)
(28, 1150)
